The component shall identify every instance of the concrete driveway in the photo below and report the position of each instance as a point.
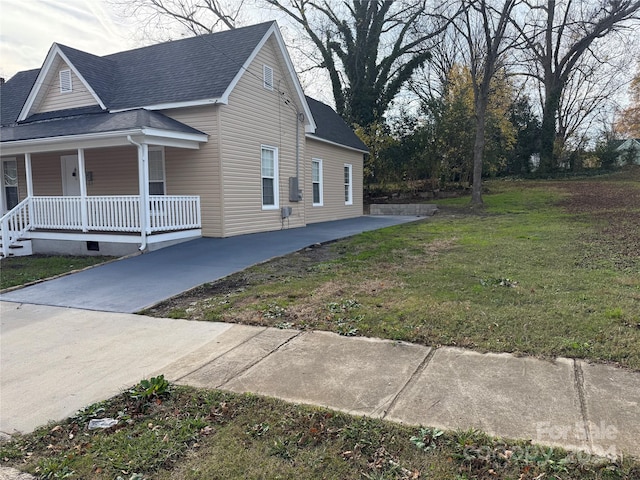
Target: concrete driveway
(132, 284)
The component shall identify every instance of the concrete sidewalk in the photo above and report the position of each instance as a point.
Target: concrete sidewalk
(57, 360)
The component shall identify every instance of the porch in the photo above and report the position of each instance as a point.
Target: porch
(99, 177)
(116, 219)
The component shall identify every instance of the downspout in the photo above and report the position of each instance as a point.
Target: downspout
(143, 227)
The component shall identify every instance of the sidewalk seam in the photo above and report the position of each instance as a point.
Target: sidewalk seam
(579, 384)
(421, 368)
(221, 355)
(251, 365)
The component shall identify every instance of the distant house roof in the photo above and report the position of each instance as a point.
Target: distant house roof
(331, 126)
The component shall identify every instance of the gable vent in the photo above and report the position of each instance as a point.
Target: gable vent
(268, 77)
(65, 81)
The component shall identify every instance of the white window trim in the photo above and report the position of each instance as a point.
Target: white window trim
(266, 72)
(350, 200)
(66, 72)
(276, 179)
(320, 182)
(158, 148)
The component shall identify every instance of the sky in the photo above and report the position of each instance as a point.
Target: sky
(28, 28)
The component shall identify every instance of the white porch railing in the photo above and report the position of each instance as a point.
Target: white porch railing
(117, 213)
(14, 224)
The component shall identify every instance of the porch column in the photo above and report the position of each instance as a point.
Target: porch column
(28, 174)
(143, 178)
(82, 177)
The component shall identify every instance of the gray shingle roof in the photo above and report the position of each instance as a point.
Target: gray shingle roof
(14, 93)
(193, 68)
(190, 69)
(83, 123)
(331, 126)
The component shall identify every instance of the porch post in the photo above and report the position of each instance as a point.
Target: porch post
(29, 175)
(82, 177)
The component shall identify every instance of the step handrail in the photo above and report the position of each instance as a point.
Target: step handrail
(15, 223)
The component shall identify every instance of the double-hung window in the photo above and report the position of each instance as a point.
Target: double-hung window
(269, 174)
(316, 181)
(10, 183)
(156, 171)
(348, 184)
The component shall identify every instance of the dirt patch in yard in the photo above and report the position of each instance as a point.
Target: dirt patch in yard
(608, 203)
(296, 265)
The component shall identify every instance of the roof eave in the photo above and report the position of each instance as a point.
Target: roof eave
(324, 140)
(115, 138)
(172, 105)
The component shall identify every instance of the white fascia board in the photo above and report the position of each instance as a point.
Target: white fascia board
(40, 81)
(104, 139)
(313, 137)
(310, 125)
(69, 142)
(169, 106)
(42, 75)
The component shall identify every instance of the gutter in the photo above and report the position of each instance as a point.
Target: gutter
(143, 228)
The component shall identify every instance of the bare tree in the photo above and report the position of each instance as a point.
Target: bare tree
(557, 35)
(193, 17)
(370, 48)
(484, 27)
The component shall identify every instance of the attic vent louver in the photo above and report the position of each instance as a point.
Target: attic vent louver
(65, 81)
(268, 77)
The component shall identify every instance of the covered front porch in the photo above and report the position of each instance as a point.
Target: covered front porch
(76, 193)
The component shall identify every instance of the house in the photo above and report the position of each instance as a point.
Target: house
(628, 151)
(205, 136)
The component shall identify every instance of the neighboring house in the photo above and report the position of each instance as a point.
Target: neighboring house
(629, 151)
(210, 135)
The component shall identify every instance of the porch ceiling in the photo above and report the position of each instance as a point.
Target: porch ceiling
(103, 129)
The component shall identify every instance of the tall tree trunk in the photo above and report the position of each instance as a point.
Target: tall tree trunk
(548, 130)
(478, 147)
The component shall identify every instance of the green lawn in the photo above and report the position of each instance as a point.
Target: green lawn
(528, 274)
(547, 268)
(199, 434)
(16, 271)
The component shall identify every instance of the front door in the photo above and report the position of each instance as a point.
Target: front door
(70, 176)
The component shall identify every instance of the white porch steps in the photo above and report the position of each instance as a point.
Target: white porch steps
(21, 248)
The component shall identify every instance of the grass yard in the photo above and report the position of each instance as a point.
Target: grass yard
(16, 271)
(182, 433)
(548, 268)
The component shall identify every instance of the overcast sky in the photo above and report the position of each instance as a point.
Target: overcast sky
(28, 28)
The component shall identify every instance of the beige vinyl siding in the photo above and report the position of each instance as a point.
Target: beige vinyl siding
(114, 171)
(46, 169)
(54, 100)
(256, 116)
(334, 159)
(197, 172)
